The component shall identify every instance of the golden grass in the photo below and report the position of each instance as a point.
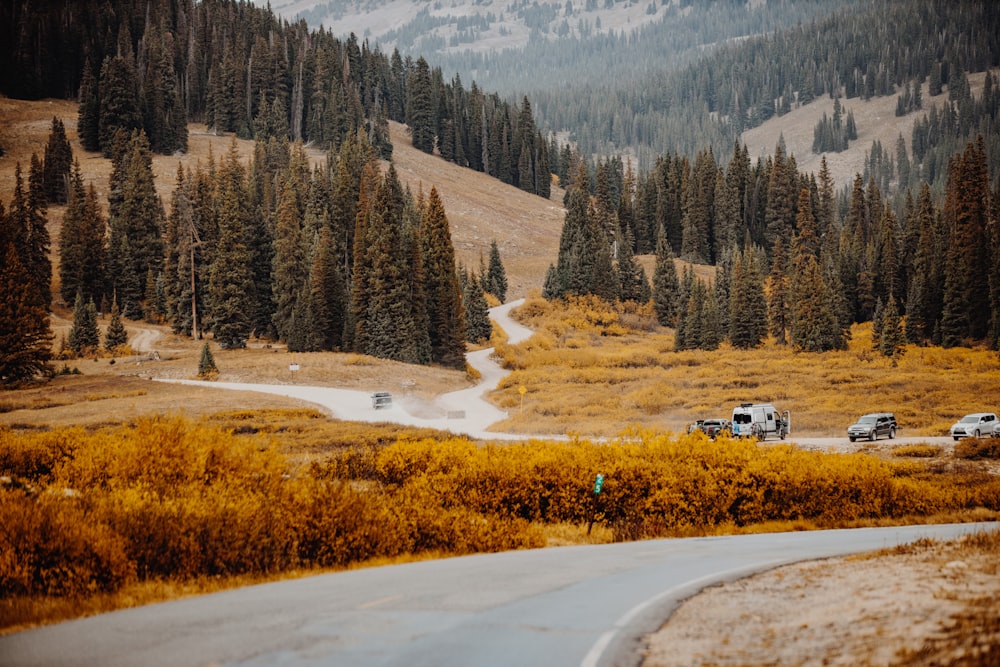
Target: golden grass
(586, 371)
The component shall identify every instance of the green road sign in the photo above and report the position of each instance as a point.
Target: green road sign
(598, 483)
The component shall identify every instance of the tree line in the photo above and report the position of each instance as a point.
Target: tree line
(794, 260)
(239, 68)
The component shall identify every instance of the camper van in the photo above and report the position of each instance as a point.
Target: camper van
(760, 420)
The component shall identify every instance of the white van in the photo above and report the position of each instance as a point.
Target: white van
(759, 420)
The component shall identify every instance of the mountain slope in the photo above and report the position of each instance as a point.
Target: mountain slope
(480, 208)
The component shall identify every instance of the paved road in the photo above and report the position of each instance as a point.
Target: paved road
(569, 606)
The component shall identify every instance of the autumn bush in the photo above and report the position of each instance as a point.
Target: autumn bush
(170, 499)
(978, 448)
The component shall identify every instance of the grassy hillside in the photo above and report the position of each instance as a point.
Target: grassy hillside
(876, 121)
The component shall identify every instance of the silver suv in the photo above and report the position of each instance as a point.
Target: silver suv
(975, 425)
(873, 425)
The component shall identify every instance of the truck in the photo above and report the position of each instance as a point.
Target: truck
(760, 420)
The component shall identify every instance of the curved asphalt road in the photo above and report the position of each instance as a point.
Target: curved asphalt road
(585, 605)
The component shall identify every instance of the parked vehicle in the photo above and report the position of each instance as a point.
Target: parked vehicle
(996, 430)
(873, 425)
(760, 420)
(716, 427)
(975, 425)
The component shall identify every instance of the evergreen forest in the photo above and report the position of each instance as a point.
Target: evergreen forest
(341, 256)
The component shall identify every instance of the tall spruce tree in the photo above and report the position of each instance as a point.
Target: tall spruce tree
(496, 276)
(230, 284)
(136, 224)
(116, 336)
(747, 302)
(420, 108)
(25, 337)
(81, 243)
(328, 293)
(966, 313)
(57, 161)
(289, 270)
(445, 311)
(665, 283)
(84, 336)
(778, 293)
(119, 100)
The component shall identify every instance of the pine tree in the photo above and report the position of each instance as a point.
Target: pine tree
(967, 311)
(634, 286)
(420, 110)
(496, 276)
(81, 243)
(478, 327)
(25, 338)
(289, 270)
(441, 289)
(89, 114)
(924, 301)
(57, 160)
(665, 283)
(747, 302)
(878, 323)
(116, 336)
(777, 293)
(207, 369)
(119, 101)
(136, 225)
(328, 295)
(84, 336)
(230, 285)
(891, 339)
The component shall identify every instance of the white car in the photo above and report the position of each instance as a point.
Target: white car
(975, 425)
(996, 430)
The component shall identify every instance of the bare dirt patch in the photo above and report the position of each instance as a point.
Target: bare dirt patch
(928, 604)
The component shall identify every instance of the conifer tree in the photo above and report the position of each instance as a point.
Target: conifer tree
(478, 327)
(135, 225)
(57, 161)
(420, 110)
(25, 337)
(665, 283)
(116, 336)
(38, 242)
(207, 370)
(571, 272)
(119, 101)
(441, 289)
(925, 295)
(777, 293)
(81, 243)
(89, 113)
(891, 336)
(328, 293)
(289, 270)
(84, 336)
(634, 286)
(496, 275)
(747, 302)
(966, 312)
(878, 322)
(230, 285)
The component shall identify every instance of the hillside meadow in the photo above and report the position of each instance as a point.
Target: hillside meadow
(593, 369)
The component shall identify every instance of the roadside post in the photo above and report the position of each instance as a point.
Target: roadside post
(598, 485)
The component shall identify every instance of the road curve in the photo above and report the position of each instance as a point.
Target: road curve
(463, 412)
(583, 605)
